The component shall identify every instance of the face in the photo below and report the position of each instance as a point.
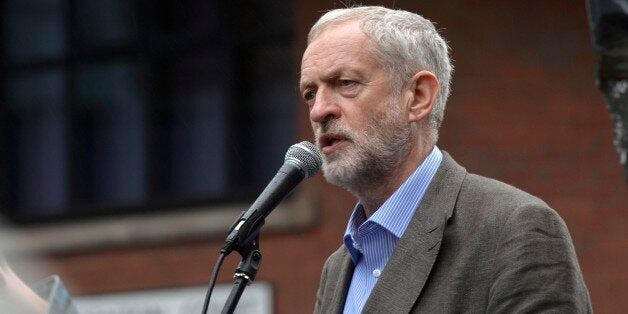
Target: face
(360, 126)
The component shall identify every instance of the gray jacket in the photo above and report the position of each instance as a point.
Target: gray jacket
(474, 245)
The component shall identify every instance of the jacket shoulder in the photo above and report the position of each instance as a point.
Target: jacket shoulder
(492, 192)
(530, 251)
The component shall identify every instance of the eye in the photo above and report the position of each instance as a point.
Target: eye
(347, 87)
(346, 83)
(309, 95)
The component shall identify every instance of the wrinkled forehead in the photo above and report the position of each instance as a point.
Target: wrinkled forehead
(340, 47)
(330, 69)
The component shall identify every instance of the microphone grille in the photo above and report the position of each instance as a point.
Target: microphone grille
(307, 156)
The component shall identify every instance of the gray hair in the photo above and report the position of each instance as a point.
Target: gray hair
(405, 43)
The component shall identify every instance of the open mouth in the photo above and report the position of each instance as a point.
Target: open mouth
(330, 142)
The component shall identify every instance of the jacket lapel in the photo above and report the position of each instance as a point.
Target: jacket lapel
(409, 266)
(339, 281)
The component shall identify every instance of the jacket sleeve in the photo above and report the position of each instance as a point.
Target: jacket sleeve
(535, 266)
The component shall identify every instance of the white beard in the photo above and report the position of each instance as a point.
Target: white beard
(372, 154)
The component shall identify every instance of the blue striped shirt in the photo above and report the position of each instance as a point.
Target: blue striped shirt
(371, 242)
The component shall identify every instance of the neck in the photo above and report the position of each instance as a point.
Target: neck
(376, 192)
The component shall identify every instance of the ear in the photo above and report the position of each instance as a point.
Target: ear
(422, 90)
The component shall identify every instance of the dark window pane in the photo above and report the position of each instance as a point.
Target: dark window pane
(272, 108)
(38, 142)
(199, 130)
(34, 30)
(106, 23)
(111, 101)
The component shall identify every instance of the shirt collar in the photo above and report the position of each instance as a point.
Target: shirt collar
(397, 211)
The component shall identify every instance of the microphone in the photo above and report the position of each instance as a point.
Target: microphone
(302, 161)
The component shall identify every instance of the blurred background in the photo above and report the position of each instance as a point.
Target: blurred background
(133, 132)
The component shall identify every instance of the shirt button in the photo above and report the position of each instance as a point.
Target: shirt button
(356, 245)
(377, 273)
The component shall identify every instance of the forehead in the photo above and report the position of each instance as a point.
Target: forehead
(338, 49)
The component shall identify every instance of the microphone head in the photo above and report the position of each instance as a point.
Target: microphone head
(306, 156)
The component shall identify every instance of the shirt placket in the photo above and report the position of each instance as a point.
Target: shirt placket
(372, 251)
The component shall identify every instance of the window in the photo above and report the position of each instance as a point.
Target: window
(119, 106)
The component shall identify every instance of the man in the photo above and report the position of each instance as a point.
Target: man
(425, 236)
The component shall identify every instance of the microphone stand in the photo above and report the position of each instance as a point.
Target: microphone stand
(244, 274)
(302, 161)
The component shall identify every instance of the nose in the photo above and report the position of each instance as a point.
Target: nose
(325, 107)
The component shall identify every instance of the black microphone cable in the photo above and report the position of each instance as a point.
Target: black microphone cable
(212, 281)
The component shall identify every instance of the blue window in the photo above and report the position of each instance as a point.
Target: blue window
(119, 106)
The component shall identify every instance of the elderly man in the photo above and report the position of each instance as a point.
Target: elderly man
(425, 236)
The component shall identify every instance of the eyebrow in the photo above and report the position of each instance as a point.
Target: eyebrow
(336, 73)
(305, 83)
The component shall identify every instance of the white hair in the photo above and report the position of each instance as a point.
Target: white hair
(405, 43)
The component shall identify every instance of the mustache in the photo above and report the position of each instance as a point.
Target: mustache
(335, 128)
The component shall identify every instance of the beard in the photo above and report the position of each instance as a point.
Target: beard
(373, 154)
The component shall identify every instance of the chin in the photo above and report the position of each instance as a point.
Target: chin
(340, 172)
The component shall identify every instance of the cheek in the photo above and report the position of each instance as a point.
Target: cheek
(364, 113)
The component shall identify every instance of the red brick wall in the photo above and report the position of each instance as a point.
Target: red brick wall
(524, 110)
